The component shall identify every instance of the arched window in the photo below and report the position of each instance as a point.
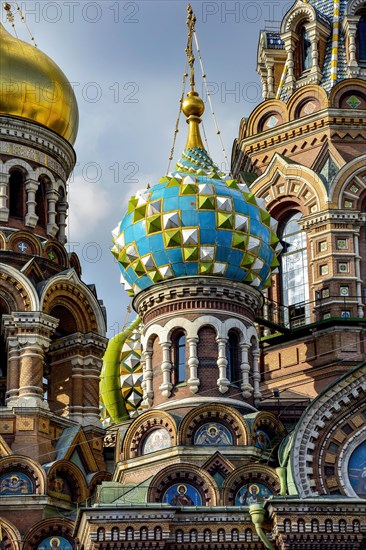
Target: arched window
(193, 535)
(158, 533)
(16, 194)
(41, 204)
(221, 535)
(294, 272)
(207, 535)
(328, 525)
(287, 526)
(100, 534)
(179, 536)
(356, 526)
(233, 358)
(234, 535)
(314, 526)
(361, 39)
(342, 526)
(143, 533)
(129, 533)
(115, 533)
(179, 357)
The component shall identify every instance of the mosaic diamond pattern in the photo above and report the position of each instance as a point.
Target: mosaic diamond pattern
(131, 371)
(194, 221)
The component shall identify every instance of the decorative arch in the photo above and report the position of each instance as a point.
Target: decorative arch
(333, 421)
(300, 12)
(23, 292)
(42, 171)
(268, 423)
(164, 333)
(75, 263)
(256, 121)
(304, 96)
(344, 178)
(302, 185)
(56, 253)
(351, 85)
(52, 527)
(33, 244)
(248, 475)
(184, 473)
(353, 6)
(16, 463)
(66, 289)
(144, 425)
(11, 535)
(67, 470)
(222, 414)
(96, 480)
(239, 326)
(20, 164)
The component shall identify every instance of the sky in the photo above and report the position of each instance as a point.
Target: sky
(125, 60)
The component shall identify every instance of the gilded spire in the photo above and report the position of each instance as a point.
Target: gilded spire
(193, 106)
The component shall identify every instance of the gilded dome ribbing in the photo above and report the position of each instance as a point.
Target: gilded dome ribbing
(33, 87)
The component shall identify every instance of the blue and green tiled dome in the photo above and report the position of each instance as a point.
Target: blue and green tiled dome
(195, 222)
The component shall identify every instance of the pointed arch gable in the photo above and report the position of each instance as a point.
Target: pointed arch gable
(24, 293)
(67, 289)
(307, 180)
(354, 5)
(343, 178)
(300, 11)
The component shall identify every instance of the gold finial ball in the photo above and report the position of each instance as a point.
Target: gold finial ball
(193, 105)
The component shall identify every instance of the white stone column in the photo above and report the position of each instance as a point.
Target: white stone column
(246, 387)
(147, 379)
(360, 312)
(270, 80)
(350, 24)
(52, 227)
(256, 376)
(290, 40)
(31, 217)
(263, 76)
(62, 215)
(314, 39)
(222, 382)
(193, 381)
(4, 191)
(166, 367)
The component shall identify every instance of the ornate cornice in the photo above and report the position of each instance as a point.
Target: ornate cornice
(32, 142)
(216, 293)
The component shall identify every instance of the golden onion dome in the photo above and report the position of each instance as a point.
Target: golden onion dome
(34, 88)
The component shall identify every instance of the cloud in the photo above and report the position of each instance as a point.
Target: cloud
(89, 206)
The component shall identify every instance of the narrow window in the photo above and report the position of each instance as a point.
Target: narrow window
(41, 204)
(16, 194)
(179, 357)
(307, 50)
(233, 358)
(361, 39)
(294, 272)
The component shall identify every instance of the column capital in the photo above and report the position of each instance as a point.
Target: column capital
(31, 184)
